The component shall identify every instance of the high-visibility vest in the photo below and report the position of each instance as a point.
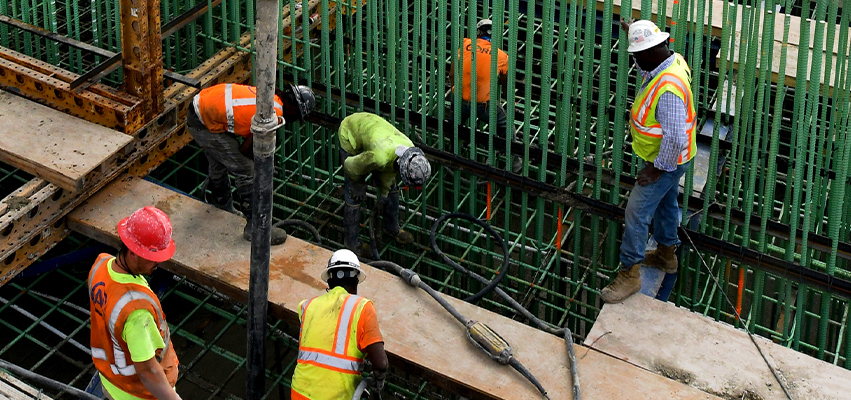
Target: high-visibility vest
(329, 361)
(111, 303)
(229, 107)
(646, 130)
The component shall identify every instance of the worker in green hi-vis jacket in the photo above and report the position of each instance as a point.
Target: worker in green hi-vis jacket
(371, 145)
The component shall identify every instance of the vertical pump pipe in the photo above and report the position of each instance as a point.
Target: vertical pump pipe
(263, 127)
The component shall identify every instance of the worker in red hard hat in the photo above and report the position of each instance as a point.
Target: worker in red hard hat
(130, 341)
(662, 126)
(219, 119)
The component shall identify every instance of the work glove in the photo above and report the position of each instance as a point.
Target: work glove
(379, 378)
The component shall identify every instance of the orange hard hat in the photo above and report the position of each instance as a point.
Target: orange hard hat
(147, 233)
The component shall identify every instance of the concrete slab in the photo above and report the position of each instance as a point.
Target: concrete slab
(420, 336)
(57, 147)
(714, 357)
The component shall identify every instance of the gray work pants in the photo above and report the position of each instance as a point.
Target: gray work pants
(223, 156)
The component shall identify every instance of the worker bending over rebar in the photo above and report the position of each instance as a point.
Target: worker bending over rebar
(662, 124)
(218, 115)
(338, 329)
(371, 145)
(130, 341)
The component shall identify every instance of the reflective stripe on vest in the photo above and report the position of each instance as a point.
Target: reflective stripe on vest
(647, 131)
(120, 367)
(338, 358)
(329, 361)
(230, 103)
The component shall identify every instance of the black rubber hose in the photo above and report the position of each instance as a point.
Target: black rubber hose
(490, 284)
(47, 382)
(303, 224)
(528, 375)
(397, 269)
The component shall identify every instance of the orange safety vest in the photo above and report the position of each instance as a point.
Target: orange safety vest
(111, 303)
(329, 361)
(229, 107)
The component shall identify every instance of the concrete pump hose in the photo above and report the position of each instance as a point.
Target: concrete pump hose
(361, 387)
(490, 285)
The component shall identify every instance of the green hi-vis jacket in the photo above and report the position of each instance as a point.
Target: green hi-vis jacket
(371, 143)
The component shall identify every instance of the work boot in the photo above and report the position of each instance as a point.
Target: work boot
(219, 196)
(351, 228)
(625, 284)
(664, 258)
(390, 218)
(278, 235)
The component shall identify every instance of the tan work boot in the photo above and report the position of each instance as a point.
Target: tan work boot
(664, 258)
(625, 284)
(402, 236)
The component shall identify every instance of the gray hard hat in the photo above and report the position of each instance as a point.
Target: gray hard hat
(413, 166)
(304, 98)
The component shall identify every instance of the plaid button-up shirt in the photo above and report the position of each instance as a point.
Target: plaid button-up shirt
(671, 114)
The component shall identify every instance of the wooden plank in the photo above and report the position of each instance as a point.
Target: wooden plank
(709, 355)
(420, 336)
(13, 389)
(57, 147)
(717, 23)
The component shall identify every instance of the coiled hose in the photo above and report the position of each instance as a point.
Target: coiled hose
(563, 332)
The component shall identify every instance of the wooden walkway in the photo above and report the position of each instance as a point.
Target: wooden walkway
(420, 336)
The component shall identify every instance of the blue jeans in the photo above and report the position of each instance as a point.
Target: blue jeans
(656, 202)
(95, 387)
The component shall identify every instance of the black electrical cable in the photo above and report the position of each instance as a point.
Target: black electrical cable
(490, 284)
(303, 224)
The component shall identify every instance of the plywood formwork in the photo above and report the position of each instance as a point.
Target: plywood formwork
(13, 389)
(419, 335)
(57, 147)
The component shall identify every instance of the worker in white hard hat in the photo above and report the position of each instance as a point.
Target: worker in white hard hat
(338, 330)
(662, 125)
(484, 97)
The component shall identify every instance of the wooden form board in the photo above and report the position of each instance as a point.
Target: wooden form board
(419, 335)
(13, 389)
(709, 355)
(57, 147)
(716, 24)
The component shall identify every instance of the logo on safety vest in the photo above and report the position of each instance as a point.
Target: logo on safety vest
(98, 296)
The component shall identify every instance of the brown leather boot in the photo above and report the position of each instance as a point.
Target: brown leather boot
(627, 282)
(664, 258)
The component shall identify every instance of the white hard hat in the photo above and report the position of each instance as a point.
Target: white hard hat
(643, 35)
(484, 22)
(346, 264)
(414, 168)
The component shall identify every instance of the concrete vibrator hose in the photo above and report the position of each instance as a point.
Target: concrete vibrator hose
(478, 333)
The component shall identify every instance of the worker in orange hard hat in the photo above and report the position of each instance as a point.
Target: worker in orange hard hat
(662, 126)
(219, 119)
(130, 341)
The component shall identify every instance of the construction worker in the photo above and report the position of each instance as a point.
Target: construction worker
(662, 124)
(371, 145)
(338, 329)
(484, 53)
(218, 115)
(129, 334)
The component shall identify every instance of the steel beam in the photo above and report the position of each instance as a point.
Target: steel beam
(141, 48)
(32, 218)
(49, 85)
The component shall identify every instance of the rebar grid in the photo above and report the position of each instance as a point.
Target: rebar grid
(787, 157)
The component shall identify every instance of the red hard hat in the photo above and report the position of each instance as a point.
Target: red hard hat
(147, 232)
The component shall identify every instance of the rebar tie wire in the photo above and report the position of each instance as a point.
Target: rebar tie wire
(736, 312)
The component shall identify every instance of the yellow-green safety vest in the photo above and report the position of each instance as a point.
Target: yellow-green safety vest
(329, 361)
(646, 130)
